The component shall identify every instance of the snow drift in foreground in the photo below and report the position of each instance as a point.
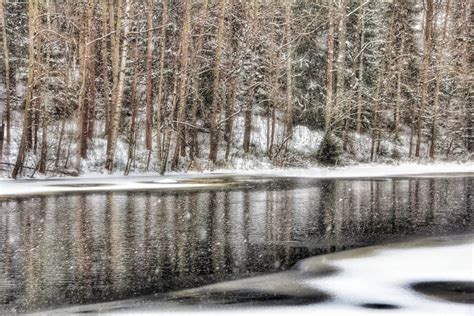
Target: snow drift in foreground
(368, 281)
(94, 183)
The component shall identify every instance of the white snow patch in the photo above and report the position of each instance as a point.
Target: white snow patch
(363, 170)
(379, 274)
(166, 181)
(89, 183)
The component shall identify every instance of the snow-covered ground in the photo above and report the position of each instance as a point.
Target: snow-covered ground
(302, 150)
(365, 170)
(368, 281)
(94, 182)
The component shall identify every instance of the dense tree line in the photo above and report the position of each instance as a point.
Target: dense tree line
(176, 77)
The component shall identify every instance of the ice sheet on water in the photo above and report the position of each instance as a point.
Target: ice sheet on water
(367, 281)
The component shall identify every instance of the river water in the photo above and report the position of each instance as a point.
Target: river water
(80, 248)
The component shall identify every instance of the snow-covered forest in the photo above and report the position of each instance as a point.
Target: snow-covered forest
(160, 85)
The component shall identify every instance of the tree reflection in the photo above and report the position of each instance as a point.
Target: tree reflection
(93, 247)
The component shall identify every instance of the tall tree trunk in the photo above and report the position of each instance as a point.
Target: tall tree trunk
(60, 143)
(105, 64)
(115, 28)
(248, 117)
(248, 112)
(169, 125)
(6, 64)
(44, 141)
(439, 77)
(229, 123)
(289, 70)
(340, 96)
(235, 66)
(466, 74)
(117, 105)
(183, 80)
(149, 80)
(275, 104)
(44, 111)
(399, 90)
(83, 110)
(32, 19)
(134, 106)
(425, 72)
(215, 110)
(92, 91)
(375, 137)
(196, 99)
(330, 67)
(360, 88)
(161, 81)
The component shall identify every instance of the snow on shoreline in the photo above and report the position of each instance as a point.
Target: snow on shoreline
(360, 170)
(364, 170)
(143, 181)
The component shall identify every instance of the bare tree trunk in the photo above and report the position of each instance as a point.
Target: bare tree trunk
(161, 81)
(340, 96)
(196, 97)
(42, 167)
(92, 94)
(117, 105)
(2, 133)
(412, 132)
(215, 110)
(425, 72)
(44, 141)
(330, 67)
(360, 88)
(6, 64)
(60, 143)
(467, 76)
(134, 106)
(376, 118)
(184, 61)
(235, 66)
(32, 15)
(275, 104)
(35, 118)
(149, 80)
(105, 63)
(115, 28)
(229, 123)
(248, 119)
(83, 110)
(289, 70)
(399, 90)
(251, 94)
(438, 83)
(169, 125)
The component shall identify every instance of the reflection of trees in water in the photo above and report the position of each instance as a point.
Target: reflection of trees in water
(469, 199)
(87, 247)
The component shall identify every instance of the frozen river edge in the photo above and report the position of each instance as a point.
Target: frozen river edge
(219, 178)
(431, 276)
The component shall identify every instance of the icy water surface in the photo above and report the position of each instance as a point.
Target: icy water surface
(62, 249)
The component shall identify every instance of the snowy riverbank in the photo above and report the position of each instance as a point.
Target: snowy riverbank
(143, 181)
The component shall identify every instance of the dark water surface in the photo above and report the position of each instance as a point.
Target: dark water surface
(64, 249)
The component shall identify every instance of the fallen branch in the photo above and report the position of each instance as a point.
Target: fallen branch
(198, 128)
